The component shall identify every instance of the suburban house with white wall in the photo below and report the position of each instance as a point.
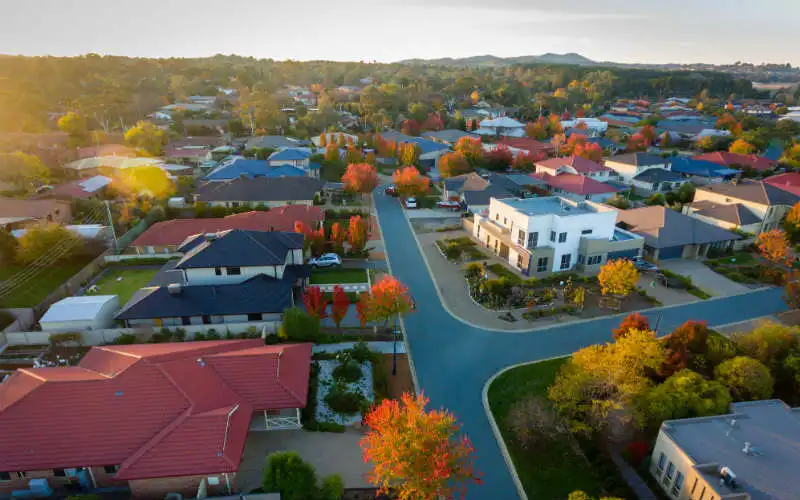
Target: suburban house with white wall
(593, 127)
(578, 187)
(627, 166)
(574, 165)
(550, 234)
(657, 180)
(502, 126)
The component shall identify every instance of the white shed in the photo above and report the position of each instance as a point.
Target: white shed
(88, 312)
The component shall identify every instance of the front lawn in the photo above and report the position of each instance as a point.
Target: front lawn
(338, 275)
(552, 469)
(747, 268)
(132, 280)
(43, 283)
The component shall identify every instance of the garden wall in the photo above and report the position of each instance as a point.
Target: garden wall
(25, 319)
(468, 224)
(121, 257)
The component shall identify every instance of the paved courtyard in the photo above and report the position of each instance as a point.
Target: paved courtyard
(704, 278)
(328, 452)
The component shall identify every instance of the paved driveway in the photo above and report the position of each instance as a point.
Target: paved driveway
(453, 360)
(703, 277)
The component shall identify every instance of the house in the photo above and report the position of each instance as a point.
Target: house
(574, 165)
(766, 201)
(594, 127)
(455, 186)
(520, 185)
(448, 137)
(295, 158)
(627, 166)
(86, 312)
(578, 187)
(672, 235)
(502, 126)
(233, 276)
(238, 166)
(477, 201)
(333, 137)
(269, 191)
(429, 151)
(166, 236)
(733, 216)
(529, 145)
(101, 164)
(733, 160)
(553, 234)
(749, 454)
(192, 150)
(788, 182)
(275, 142)
(701, 172)
(157, 419)
(80, 189)
(608, 146)
(656, 180)
(106, 150)
(16, 213)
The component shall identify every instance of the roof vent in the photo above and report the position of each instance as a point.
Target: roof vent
(210, 236)
(174, 288)
(727, 477)
(201, 362)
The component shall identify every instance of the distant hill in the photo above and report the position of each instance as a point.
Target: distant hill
(490, 60)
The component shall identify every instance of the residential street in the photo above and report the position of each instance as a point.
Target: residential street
(454, 360)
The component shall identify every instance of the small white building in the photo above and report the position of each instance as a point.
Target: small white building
(503, 126)
(87, 312)
(594, 126)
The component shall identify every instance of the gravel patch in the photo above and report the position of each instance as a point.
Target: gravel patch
(363, 385)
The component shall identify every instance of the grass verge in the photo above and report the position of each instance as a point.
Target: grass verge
(338, 275)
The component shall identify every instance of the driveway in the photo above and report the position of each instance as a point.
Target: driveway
(328, 452)
(704, 278)
(454, 359)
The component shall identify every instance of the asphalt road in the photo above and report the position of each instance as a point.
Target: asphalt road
(454, 360)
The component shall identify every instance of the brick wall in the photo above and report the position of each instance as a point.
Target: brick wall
(185, 485)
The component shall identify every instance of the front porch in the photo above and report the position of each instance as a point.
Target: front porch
(274, 420)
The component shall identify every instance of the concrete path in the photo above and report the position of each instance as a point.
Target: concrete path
(453, 359)
(704, 278)
(381, 347)
(667, 296)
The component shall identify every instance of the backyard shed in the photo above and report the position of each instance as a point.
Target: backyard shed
(88, 312)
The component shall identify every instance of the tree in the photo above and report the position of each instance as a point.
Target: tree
(146, 138)
(323, 140)
(315, 302)
(341, 141)
(633, 321)
(726, 122)
(410, 127)
(340, 305)
(410, 182)
(408, 153)
(332, 488)
(705, 143)
(590, 151)
(775, 247)
(360, 178)
(415, 453)
(298, 326)
(370, 158)
(557, 142)
(649, 133)
(363, 309)
(332, 152)
(769, 342)
(582, 495)
(23, 171)
(389, 299)
(39, 241)
(574, 141)
(537, 130)
(8, 247)
(618, 277)
(534, 420)
(742, 147)
(637, 143)
(286, 473)
(337, 236)
(357, 234)
(686, 343)
(791, 224)
(353, 155)
(74, 125)
(499, 158)
(471, 149)
(526, 162)
(453, 164)
(686, 394)
(747, 378)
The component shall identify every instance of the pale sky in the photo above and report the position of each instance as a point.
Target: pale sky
(654, 31)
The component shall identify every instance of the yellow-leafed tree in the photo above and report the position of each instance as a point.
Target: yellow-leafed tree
(618, 277)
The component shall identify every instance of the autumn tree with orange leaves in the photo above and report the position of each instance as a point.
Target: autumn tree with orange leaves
(360, 178)
(389, 298)
(590, 151)
(408, 153)
(363, 309)
(337, 237)
(417, 454)
(471, 148)
(410, 182)
(331, 152)
(339, 305)
(633, 321)
(775, 247)
(453, 164)
(315, 302)
(526, 162)
(649, 133)
(742, 147)
(637, 143)
(357, 233)
(574, 141)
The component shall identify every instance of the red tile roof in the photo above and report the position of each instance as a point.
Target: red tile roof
(576, 184)
(729, 159)
(789, 182)
(528, 144)
(175, 231)
(157, 410)
(580, 164)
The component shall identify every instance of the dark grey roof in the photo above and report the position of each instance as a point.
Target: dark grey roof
(448, 135)
(753, 191)
(483, 196)
(260, 189)
(639, 159)
(239, 248)
(470, 182)
(259, 294)
(653, 175)
(735, 213)
(274, 142)
(663, 227)
(515, 181)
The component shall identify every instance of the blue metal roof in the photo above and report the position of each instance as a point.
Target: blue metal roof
(702, 168)
(290, 155)
(284, 171)
(237, 167)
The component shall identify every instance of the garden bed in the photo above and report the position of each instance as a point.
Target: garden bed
(744, 267)
(348, 396)
(461, 249)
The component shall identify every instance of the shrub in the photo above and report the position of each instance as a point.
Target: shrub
(348, 371)
(747, 378)
(332, 488)
(474, 270)
(286, 473)
(360, 352)
(299, 326)
(65, 338)
(212, 334)
(340, 400)
(125, 339)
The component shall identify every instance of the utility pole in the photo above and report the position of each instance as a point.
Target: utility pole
(111, 225)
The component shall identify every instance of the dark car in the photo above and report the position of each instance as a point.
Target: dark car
(450, 205)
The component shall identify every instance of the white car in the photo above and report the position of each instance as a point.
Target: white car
(326, 260)
(411, 203)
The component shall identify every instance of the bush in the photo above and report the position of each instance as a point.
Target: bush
(212, 334)
(340, 400)
(299, 326)
(360, 352)
(747, 378)
(348, 371)
(332, 488)
(125, 339)
(65, 338)
(286, 473)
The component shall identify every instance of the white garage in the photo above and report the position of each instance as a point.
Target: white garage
(88, 312)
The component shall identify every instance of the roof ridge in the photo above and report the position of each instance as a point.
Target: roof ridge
(157, 438)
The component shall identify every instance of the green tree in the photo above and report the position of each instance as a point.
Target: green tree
(8, 247)
(769, 342)
(147, 138)
(23, 171)
(74, 125)
(747, 378)
(299, 326)
(683, 395)
(40, 240)
(332, 488)
(286, 473)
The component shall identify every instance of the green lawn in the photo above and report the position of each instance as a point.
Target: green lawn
(338, 275)
(551, 470)
(132, 281)
(42, 284)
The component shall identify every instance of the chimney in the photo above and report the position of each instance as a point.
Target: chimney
(174, 288)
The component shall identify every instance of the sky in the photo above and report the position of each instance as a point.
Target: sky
(642, 31)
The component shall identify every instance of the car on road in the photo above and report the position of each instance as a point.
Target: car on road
(326, 260)
(391, 190)
(643, 265)
(411, 203)
(449, 205)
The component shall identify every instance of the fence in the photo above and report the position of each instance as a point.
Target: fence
(468, 224)
(348, 287)
(72, 285)
(149, 256)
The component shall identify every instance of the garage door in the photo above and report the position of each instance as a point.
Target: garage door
(670, 253)
(624, 254)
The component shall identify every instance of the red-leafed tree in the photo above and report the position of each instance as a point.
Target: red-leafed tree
(726, 122)
(316, 241)
(389, 298)
(526, 162)
(337, 237)
(453, 164)
(574, 140)
(636, 143)
(339, 305)
(579, 113)
(590, 151)
(410, 182)
(357, 233)
(565, 115)
(433, 122)
(410, 127)
(417, 454)
(360, 178)
(364, 309)
(633, 321)
(500, 158)
(315, 302)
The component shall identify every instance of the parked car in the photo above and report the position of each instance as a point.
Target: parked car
(643, 265)
(391, 190)
(326, 260)
(411, 203)
(449, 205)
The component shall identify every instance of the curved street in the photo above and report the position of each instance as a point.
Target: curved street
(454, 360)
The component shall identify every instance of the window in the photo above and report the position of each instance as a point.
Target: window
(662, 461)
(521, 237)
(533, 240)
(552, 236)
(110, 469)
(218, 271)
(59, 473)
(669, 474)
(580, 258)
(676, 487)
(566, 260)
(594, 260)
(497, 216)
(21, 475)
(505, 221)
(254, 317)
(234, 271)
(5, 476)
(586, 231)
(520, 261)
(541, 265)
(562, 237)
